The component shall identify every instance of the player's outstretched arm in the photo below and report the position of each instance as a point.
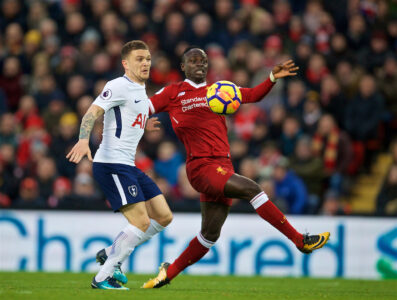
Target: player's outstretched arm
(82, 146)
(257, 93)
(285, 69)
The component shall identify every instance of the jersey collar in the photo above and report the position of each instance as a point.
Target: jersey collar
(126, 77)
(195, 85)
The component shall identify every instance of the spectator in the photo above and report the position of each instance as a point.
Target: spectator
(311, 112)
(332, 205)
(387, 82)
(47, 91)
(348, 78)
(36, 138)
(174, 30)
(310, 168)
(368, 106)
(339, 51)
(84, 195)
(61, 145)
(11, 11)
(387, 197)
(269, 156)
(76, 88)
(333, 145)
(245, 119)
(238, 150)
(375, 56)
(11, 82)
(8, 132)
(332, 100)
(316, 71)
(357, 33)
(168, 162)
(187, 198)
(67, 65)
(62, 188)
(29, 195)
(89, 46)
(260, 135)
(290, 187)
(162, 72)
(46, 174)
(294, 102)
(277, 116)
(27, 110)
(10, 173)
(303, 52)
(52, 115)
(291, 133)
(82, 105)
(202, 34)
(249, 168)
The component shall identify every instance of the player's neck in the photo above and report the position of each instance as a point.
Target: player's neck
(134, 79)
(196, 84)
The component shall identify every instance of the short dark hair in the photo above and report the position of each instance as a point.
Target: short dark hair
(188, 49)
(133, 45)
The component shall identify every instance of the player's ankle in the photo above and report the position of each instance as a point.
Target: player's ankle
(298, 240)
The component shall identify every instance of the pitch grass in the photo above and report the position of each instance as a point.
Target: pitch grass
(45, 286)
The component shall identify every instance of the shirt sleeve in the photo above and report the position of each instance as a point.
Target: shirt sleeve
(255, 94)
(160, 100)
(111, 96)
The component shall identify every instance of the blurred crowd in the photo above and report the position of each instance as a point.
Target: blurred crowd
(304, 143)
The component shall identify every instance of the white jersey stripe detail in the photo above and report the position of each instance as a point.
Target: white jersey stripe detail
(195, 85)
(151, 107)
(120, 189)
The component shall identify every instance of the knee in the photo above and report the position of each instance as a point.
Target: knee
(165, 219)
(251, 190)
(211, 235)
(143, 224)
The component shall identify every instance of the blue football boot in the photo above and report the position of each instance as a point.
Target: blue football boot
(109, 283)
(101, 257)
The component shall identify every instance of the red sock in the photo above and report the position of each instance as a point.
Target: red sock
(193, 253)
(269, 212)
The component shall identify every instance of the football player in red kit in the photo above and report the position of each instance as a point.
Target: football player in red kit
(208, 164)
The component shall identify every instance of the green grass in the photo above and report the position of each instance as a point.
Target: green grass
(77, 286)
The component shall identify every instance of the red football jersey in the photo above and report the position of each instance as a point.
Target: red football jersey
(203, 132)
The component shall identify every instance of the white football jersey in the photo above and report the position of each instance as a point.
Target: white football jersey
(126, 106)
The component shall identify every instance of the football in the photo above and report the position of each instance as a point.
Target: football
(224, 97)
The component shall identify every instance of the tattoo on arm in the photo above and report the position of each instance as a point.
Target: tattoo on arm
(88, 123)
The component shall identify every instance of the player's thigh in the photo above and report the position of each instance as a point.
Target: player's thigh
(156, 204)
(159, 210)
(137, 215)
(241, 187)
(213, 216)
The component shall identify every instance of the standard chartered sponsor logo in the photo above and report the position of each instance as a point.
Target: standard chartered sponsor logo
(194, 105)
(195, 99)
(191, 103)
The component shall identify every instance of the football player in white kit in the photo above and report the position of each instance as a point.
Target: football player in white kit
(125, 106)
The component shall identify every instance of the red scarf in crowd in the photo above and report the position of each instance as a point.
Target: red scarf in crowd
(328, 146)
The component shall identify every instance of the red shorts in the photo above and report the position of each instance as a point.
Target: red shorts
(208, 176)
